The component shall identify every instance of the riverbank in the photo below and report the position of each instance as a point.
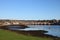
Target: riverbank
(9, 35)
(36, 33)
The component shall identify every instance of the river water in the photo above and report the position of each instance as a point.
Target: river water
(52, 29)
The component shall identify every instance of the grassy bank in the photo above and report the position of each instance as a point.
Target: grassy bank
(8, 35)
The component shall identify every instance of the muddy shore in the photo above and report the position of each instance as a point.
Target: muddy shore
(36, 33)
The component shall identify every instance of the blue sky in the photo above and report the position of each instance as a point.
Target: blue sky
(30, 9)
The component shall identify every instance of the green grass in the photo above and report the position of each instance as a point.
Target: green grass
(8, 35)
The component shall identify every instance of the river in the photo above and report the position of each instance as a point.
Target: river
(52, 29)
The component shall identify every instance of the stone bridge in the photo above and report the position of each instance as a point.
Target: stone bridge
(5, 23)
(24, 23)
